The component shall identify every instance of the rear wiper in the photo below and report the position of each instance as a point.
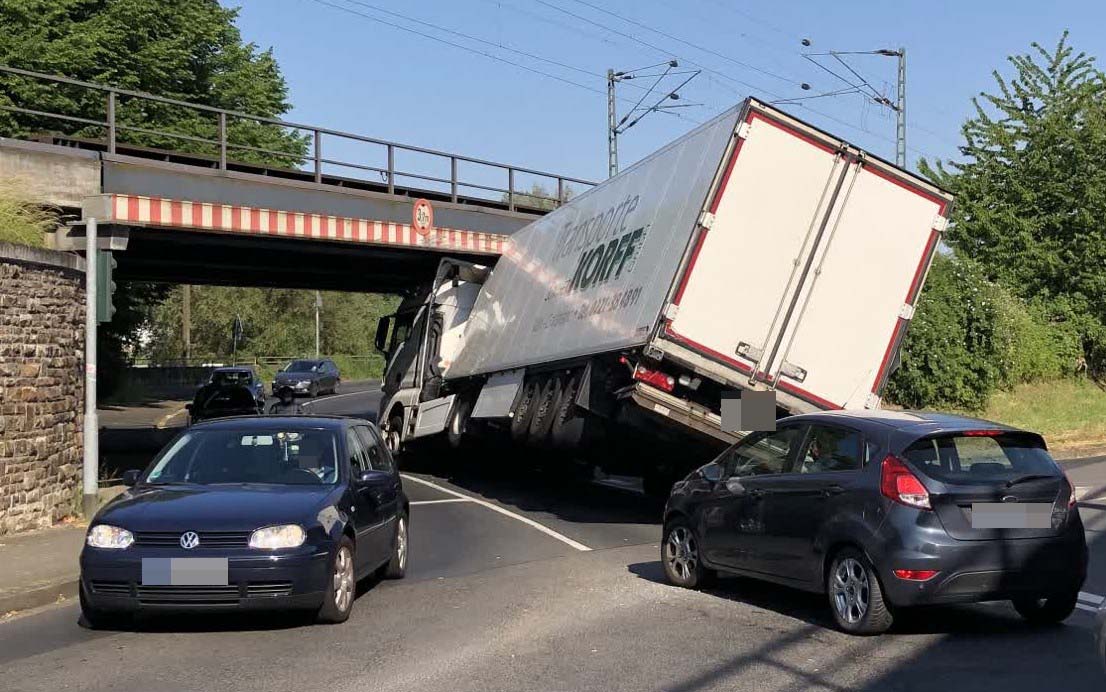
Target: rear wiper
(1029, 477)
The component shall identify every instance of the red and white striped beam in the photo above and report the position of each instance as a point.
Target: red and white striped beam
(134, 210)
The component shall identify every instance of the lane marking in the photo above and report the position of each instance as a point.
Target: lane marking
(439, 502)
(337, 396)
(1092, 598)
(1087, 608)
(164, 420)
(496, 508)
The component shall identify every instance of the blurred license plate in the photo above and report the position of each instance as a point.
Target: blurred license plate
(184, 571)
(1011, 515)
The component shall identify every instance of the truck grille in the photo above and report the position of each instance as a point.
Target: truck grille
(208, 539)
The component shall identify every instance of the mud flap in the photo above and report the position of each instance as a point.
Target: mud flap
(433, 416)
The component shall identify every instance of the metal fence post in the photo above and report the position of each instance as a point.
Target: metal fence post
(510, 189)
(318, 156)
(391, 169)
(453, 178)
(111, 122)
(560, 191)
(222, 141)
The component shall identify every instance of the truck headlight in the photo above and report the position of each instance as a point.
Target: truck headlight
(276, 537)
(107, 536)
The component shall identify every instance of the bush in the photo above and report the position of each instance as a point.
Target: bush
(971, 337)
(21, 222)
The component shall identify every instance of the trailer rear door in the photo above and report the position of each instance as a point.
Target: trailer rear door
(800, 278)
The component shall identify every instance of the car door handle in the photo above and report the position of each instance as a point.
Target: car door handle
(757, 492)
(832, 490)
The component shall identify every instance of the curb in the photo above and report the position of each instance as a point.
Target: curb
(41, 596)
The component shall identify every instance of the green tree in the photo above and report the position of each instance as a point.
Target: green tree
(1031, 189)
(188, 50)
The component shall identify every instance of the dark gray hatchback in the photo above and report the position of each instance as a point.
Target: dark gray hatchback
(882, 510)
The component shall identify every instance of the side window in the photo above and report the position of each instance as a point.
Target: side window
(357, 461)
(376, 454)
(830, 449)
(763, 454)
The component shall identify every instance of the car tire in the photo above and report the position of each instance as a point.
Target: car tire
(341, 587)
(1047, 610)
(856, 596)
(337, 383)
(681, 556)
(396, 566)
(96, 619)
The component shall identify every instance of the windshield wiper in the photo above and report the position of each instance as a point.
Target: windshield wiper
(1029, 477)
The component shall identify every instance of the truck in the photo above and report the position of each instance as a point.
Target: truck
(756, 252)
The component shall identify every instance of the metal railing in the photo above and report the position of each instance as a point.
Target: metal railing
(308, 139)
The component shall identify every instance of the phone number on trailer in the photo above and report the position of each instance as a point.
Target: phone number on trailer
(617, 301)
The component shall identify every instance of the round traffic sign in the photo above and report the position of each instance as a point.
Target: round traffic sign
(422, 216)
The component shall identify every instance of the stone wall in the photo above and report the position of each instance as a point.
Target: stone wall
(41, 386)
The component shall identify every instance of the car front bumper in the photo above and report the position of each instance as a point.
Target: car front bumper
(112, 581)
(986, 570)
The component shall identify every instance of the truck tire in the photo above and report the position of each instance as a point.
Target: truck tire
(568, 426)
(520, 423)
(458, 422)
(393, 433)
(545, 409)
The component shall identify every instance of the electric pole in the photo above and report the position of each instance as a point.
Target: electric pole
(318, 304)
(900, 112)
(186, 321)
(612, 127)
(90, 475)
(615, 126)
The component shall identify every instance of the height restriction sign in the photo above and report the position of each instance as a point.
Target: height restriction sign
(422, 216)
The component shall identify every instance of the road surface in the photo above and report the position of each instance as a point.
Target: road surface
(520, 580)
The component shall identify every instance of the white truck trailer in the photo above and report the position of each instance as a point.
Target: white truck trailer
(754, 252)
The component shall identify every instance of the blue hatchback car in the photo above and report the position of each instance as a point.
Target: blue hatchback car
(249, 513)
(882, 510)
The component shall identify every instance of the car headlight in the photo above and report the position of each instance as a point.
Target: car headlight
(106, 536)
(275, 537)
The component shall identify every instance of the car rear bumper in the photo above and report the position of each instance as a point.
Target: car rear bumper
(114, 583)
(974, 571)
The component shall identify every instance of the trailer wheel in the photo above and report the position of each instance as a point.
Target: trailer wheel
(458, 422)
(567, 426)
(546, 409)
(520, 423)
(393, 434)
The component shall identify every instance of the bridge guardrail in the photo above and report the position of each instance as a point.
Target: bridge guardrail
(314, 158)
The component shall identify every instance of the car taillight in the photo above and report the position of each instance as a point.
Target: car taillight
(1072, 499)
(654, 377)
(915, 574)
(898, 483)
(982, 433)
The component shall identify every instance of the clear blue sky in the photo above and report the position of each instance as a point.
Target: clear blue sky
(351, 73)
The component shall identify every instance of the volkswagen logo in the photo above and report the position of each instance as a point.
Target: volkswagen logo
(189, 540)
(1009, 498)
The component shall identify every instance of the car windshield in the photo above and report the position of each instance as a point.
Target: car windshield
(230, 377)
(302, 366)
(987, 456)
(275, 455)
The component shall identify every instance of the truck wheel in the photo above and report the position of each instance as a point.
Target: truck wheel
(520, 423)
(567, 426)
(458, 422)
(545, 409)
(393, 434)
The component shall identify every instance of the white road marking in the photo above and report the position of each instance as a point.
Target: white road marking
(506, 512)
(1081, 491)
(164, 420)
(439, 502)
(1087, 608)
(332, 397)
(1092, 598)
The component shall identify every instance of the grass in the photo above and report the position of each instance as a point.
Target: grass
(1071, 414)
(21, 222)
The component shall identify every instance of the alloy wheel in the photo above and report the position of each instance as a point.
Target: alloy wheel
(682, 553)
(851, 590)
(401, 543)
(343, 579)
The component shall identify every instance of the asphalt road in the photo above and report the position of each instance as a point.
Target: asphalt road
(523, 580)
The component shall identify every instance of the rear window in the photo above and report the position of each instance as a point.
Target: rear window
(970, 459)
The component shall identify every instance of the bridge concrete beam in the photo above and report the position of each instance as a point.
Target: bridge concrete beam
(53, 175)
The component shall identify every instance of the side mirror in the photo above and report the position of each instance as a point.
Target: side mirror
(381, 341)
(373, 477)
(734, 486)
(712, 472)
(131, 477)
